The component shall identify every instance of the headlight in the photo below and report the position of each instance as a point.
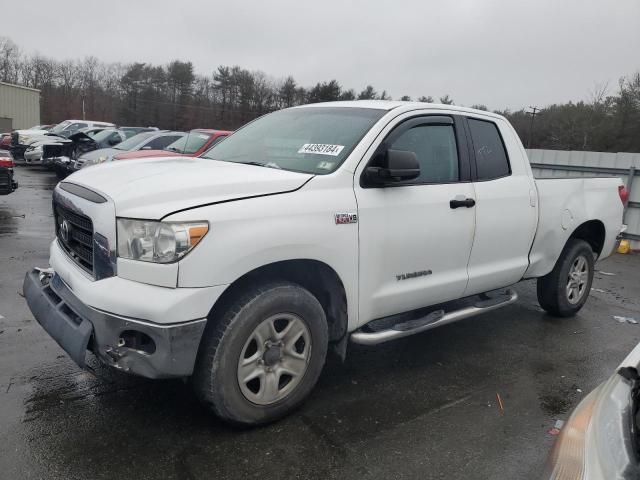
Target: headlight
(567, 458)
(159, 242)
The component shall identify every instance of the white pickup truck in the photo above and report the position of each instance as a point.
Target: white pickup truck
(364, 221)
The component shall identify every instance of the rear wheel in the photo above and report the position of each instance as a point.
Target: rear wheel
(564, 290)
(260, 359)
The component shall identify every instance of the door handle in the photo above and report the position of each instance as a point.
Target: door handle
(467, 202)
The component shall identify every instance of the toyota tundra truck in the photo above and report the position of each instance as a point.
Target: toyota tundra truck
(307, 229)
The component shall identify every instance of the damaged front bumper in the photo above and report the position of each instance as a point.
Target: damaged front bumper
(133, 345)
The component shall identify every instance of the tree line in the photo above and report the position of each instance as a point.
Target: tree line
(174, 96)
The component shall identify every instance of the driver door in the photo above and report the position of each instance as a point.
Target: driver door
(414, 244)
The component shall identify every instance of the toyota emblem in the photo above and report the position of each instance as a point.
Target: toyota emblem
(65, 230)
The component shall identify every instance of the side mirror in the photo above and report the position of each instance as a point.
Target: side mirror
(114, 141)
(398, 165)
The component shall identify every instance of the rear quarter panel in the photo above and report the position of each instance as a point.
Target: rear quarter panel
(564, 205)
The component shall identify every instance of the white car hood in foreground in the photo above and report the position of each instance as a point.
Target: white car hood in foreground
(153, 188)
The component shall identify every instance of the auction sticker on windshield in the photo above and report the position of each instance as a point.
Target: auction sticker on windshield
(321, 149)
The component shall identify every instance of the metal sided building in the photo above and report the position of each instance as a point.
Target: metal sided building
(19, 107)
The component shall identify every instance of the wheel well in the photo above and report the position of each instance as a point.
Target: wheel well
(317, 277)
(592, 232)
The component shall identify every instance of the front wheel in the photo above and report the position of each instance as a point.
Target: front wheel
(564, 291)
(261, 358)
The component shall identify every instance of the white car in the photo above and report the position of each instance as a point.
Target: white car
(306, 228)
(21, 140)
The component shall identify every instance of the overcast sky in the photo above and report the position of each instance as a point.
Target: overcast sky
(502, 53)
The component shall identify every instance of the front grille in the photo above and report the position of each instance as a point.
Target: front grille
(76, 236)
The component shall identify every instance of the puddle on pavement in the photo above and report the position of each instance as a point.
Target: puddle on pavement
(9, 220)
(558, 402)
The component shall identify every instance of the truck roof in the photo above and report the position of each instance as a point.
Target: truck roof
(393, 104)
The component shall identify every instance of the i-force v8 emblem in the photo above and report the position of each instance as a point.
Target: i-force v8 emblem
(342, 218)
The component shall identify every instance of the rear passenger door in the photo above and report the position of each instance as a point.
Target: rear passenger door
(505, 208)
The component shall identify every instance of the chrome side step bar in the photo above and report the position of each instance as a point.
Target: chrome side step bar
(432, 320)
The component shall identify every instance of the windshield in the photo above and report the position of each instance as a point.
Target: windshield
(190, 143)
(311, 140)
(134, 141)
(61, 126)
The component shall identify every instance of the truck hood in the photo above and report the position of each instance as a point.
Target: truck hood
(154, 188)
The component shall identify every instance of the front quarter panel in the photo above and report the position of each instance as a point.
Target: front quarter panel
(251, 233)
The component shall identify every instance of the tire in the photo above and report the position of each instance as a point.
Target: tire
(265, 311)
(555, 294)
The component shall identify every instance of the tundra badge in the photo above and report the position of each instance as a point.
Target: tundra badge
(406, 276)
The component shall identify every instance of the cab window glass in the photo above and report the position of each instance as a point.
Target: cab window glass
(435, 148)
(491, 156)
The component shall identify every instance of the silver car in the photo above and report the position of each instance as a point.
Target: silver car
(155, 140)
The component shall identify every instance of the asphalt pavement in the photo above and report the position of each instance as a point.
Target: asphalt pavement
(421, 407)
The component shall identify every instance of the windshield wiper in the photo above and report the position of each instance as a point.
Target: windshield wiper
(260, 164)
(257, 164)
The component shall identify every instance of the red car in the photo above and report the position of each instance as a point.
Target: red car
(5, 140)
(194, 144)
(7, 183)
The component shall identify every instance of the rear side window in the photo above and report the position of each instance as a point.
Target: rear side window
(491, 156)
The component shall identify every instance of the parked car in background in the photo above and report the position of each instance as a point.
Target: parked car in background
(69, 127)
(21, 139)
(7, 181)
(601, 439)
(47, 149)
(310, 227)
(155, 140)
(29, 134)
(194, 144)
(131, 131)
(5, 141)
(43, 127)
(63, 153)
